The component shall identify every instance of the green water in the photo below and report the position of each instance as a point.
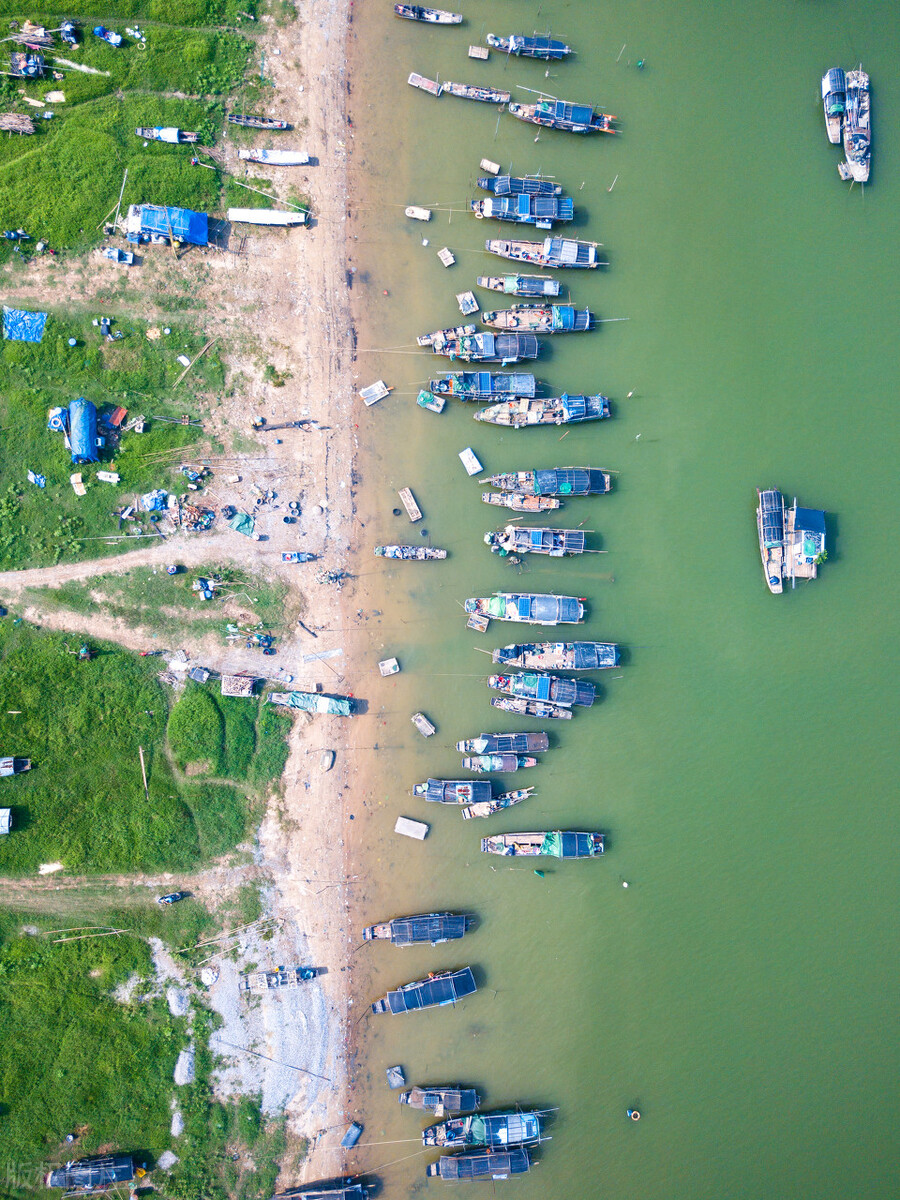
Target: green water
(742, 990)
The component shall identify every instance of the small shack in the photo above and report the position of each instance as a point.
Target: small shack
(238, 685)
(157, 223)
(82, 431)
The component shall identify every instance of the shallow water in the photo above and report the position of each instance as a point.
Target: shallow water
(741, 990)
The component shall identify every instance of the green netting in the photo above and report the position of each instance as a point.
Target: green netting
(552, 844)
(496, 606)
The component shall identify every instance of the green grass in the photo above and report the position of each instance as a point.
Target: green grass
(173, 12)
(239, 739)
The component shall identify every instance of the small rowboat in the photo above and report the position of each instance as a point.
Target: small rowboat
(521, 503)
(165, 133)
(418, 213)
(432, 16)
(275, 158)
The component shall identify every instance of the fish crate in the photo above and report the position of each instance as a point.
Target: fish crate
(481, 52)
(492, 168)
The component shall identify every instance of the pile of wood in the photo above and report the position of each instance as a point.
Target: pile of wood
(16, 123)
(33, 35)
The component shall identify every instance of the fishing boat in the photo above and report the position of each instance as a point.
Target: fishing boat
(770, 527)
(519, 539)
(505, 743)
(519, 503)
(486, 808)
(165, 133)
(467, 91)
(857, 129)
(427, 928)
(483, 385)
(503, 763)
(540, 318)
(553, 410)
(550, 843)
(560, 114)
(834, 99)
(441, 1098)
(491, 1129)
(437, 990)
(553, 481)
(556, 656)
(275, 158)
(518, 185)
(535, 46)
(481, 1164)
(552, 689)
(520, 285)
(418, 553)
(425, 85)
(454, 791)
(327, 1191)
(257, 122)
(541, 211)
(791, 540)
(506, 348)
(531, 708)
(432, 16)
(530, 608)
(551, 252)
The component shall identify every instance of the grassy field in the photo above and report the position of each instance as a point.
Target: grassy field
(82, 724)
(226, 737)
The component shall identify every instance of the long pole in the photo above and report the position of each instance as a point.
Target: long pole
(121, 194)
(144, 773)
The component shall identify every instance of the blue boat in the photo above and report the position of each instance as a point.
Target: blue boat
(533, 685)
(520, 285)
(433, 992)
(530, 608)
(464, 343)
(516, 185)
(483, 385)
(553, 481)
(540, 318)
(552, 252)
(550, 410)
(529, 47)
(560, 114)
(523, 209)
(496, 1130)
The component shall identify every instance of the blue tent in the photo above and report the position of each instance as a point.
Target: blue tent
(83, 431)
(22, 326)
(187, 226)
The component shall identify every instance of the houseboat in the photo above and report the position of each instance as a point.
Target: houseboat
(558, 656)
(552, 410)
(541, 211)
(834, 98)
(506, 348)
(437, 990)
(426, 929)
(521, 539)
(492, 1129)
(454, 791)
(540, 318)
(519, 185)
(541, 709)
(530, 608)
(483, 385)
(560, 114)
(503, 763)
(551, 252)
(791, 540)
(552, 689)
(550, 843)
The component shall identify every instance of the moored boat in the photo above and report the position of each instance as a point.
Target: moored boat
(165, 133)
(550, 843)
(275, 158)
(518, 539)
(519, 503)
(505, 743)
(410, 552)
(491, 1129)
(481, 1164)
(482, 347)
(541, 211)
(432, 16)
(253, 122)
(553, 481)
(445, 987)
(483, 385)
(530, 608)
(454, 791)
(770, 527)
(468, 91)
(552, 410)
(556, 656)
(834, 98)
(517, 185)
(487, 808)
(425, 85)
(520, 285)
(503, 763)
(541, 709)
(535, 46)
(425, 928)
(553, 689)
(560, 114)
(551, 252)
(791, 540)
(857, 129)
(540, 318)
(441, 1098)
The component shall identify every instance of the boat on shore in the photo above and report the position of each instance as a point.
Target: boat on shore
(540, 318)
(468, 91)
(491, 1129)
(407, 553)
(252, 122)
(552, 410)
(857, 129)
(548, 843)
(551, 252)
(791, 540)
(166, 133)
(483, 385)
(454, 791)
(535, 46)
(520, 285)
(445, 987)
(552, 689)
(502, 763)
(505, 743)
(541, 211)
(275, 158)
(487, 808)
(530, 608)
(834, 100)
(432, 16)
(560, 114)
(553, 481)
(558, 656)
(540, 709)
(521, 539)
(442, 1098)
(519, 185)
(465, 344)
(519, 503)
(481, 1164)
(267, 216)
(422, 929)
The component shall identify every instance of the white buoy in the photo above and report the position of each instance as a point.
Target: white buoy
(624, 883)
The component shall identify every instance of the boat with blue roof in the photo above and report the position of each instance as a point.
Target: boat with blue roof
(551, 252)
(465, 344)
(438, 990)
(490, 1129)
(518, 185)
(556, 656)
(536, 46)
(551, 410)
(554, 843)
(522, 539)
(552, 689)
(553, 481)
(520, 285)
(791, 540)
(483, 385)
(543, 212)
(540, 318)
(529, 608)
(481, 1164)
(561, 114)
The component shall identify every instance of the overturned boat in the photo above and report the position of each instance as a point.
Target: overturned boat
(483, 385)
(275, 158)
(552, 689)
(519, 185)
(552, 844)
(252, 122)
(535, 46)
(437, 990)
(560, 114)
(505, 743)
(541, 709)
(417, 553)
(454, 791)
(553, 410)
(492, 1129)
(432, 16)
(470, 346)
(519, 503)
(530, 608)
(834, 99)
(468, 91)
(487, 808)
(541, 318)
(541, 211)
(857, 129)
(166, 133)
(504, 763)
(551, 252)
(429, 928)
(553, 481)
(521, 539)
(442, 1098)
(556, 656)
(481, 1164)
(520, 285)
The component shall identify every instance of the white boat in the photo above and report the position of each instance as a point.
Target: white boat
(857, 129)
(470, 462)
(418, 213)
(266, 216)
(275, 158)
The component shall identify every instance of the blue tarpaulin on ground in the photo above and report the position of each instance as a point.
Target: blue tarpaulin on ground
(83, 431)
(22, 326)
(187, 226)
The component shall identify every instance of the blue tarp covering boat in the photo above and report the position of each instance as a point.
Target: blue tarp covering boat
(514, 185)
(434, 992)
(146, 221)
(19, 325)
(529, 47)
(522, 209)
(82, 431)
(483, 385)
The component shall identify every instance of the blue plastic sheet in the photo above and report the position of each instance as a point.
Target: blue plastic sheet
(22, 326)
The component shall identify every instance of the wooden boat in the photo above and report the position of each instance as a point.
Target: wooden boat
(427, 928)
(770, 527)
(454, 791)
(531, 708)
(432, 16)
(518, 539)
(407, 553)
(487, 808)
(556, 656)
(505, 743)
(518, 185)
(493, 1129)
(267, 216)
(857, 129)
(502, 763)
(506, 348)
(275, 158)
(834, 100)
(481, 1164)
(446, 987)
(483, 385)
(530, 608)
(553, 689)
(425, 85)
(541, 211)
(553, 410)
(520, 285)
(467, 91)
(424, 726)
(519, 503)
(791, 540)
(529, 47)
(540, 318)
(417, 213)
(549, 843)
(252, 122)
(552, 252)
(327, 1191)
(560, 114)
(555, 481)
(441, 1098)
(165, 133)
(281, 979)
